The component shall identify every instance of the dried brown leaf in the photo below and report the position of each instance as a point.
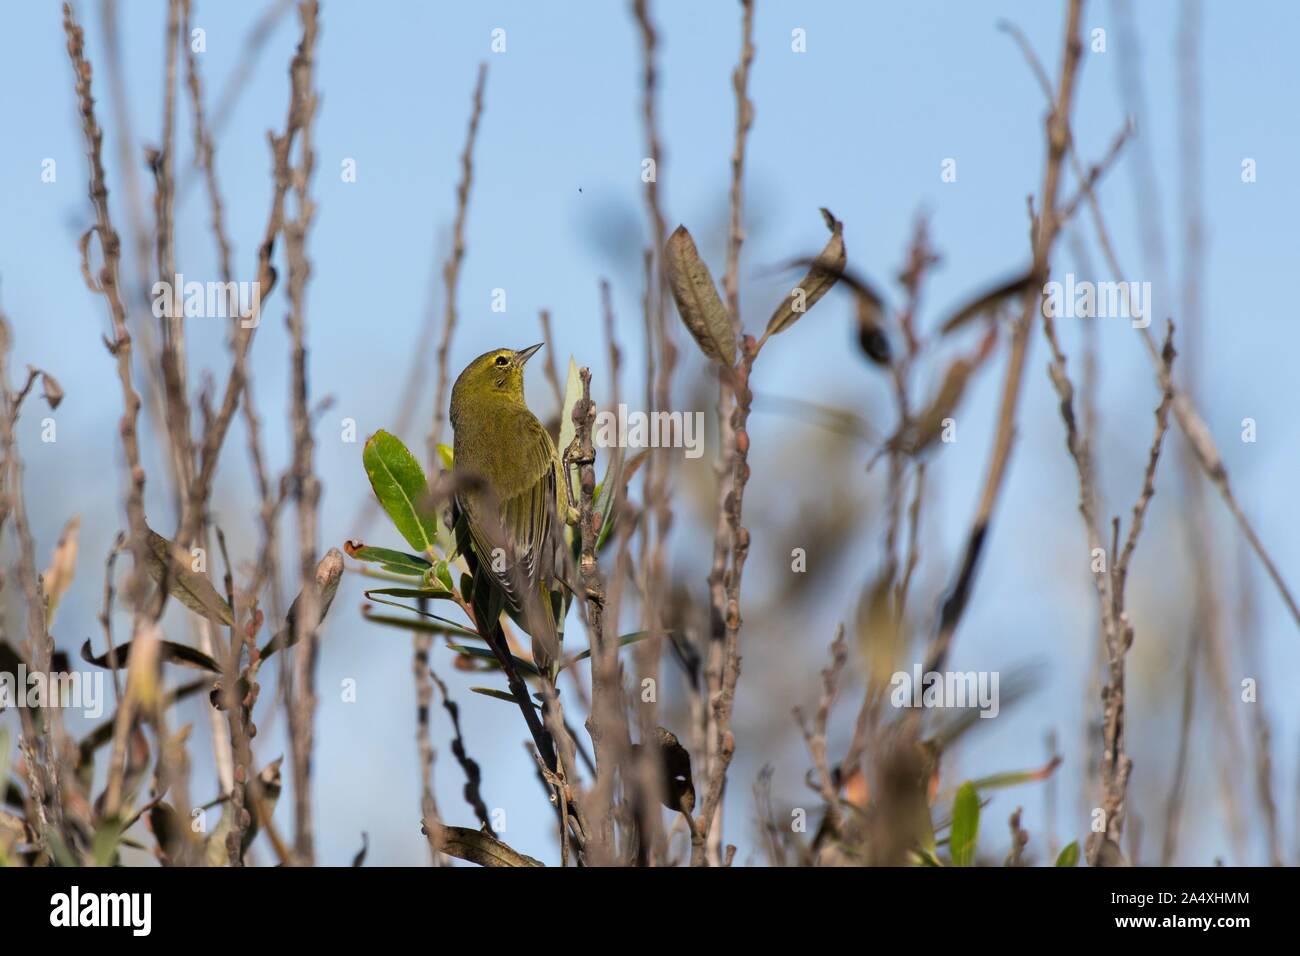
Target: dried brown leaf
(63, 564)
(825, 272)
(191, 588)
(988, 302)
(697, 298)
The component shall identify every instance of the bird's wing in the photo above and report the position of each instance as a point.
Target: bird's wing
(523, 519)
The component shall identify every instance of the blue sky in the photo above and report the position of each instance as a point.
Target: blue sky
(860, 123)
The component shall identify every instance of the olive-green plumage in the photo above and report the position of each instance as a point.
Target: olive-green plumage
(508, 497)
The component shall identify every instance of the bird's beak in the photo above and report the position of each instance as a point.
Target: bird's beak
(523, 355)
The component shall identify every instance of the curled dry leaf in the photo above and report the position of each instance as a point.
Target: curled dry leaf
(928, 426)
(476, 846)
(52, 391)
(168, 651)
(58, 576)
(697, 298)
(870, 315)
(825, 271)
(169, 569)
(328, 574)
(989, 302)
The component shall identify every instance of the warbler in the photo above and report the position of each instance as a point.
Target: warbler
(509, 501)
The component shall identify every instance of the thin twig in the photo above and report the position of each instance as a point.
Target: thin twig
(451, 269)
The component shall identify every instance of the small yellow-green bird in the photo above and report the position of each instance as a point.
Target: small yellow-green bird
(510, 502)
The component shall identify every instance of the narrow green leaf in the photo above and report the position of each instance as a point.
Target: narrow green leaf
(451, 626)
(1014, 778)
(825, 271)
(399, 484)
(429, 594)
(398, 562)
(415, 624)
(1070, 855)
(607, 492)
(965, 825)
(381, 573)
(697, 298)
(572, 392)
(190, 587)
(499, 695)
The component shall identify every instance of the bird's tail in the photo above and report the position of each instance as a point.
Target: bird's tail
(539, 622)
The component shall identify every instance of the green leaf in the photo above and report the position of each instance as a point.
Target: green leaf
(446, 456)
(572, 392)
(606, 493)
(965, 825)
(398, 562)
(442, 574)
(59, 848)
(429, 594)
(191, 588)
(1014, 778)
(609, 493)
(697, 298)
(104, 846)
(484, 653)
(381, 573)
(825, 271)
(451, 627)
(441, 626)
(1070, 855)
(400, 486)
(498, 694)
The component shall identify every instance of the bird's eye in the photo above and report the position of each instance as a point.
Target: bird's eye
(502, 361)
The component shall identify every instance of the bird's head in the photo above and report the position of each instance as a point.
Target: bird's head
(493, 375)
